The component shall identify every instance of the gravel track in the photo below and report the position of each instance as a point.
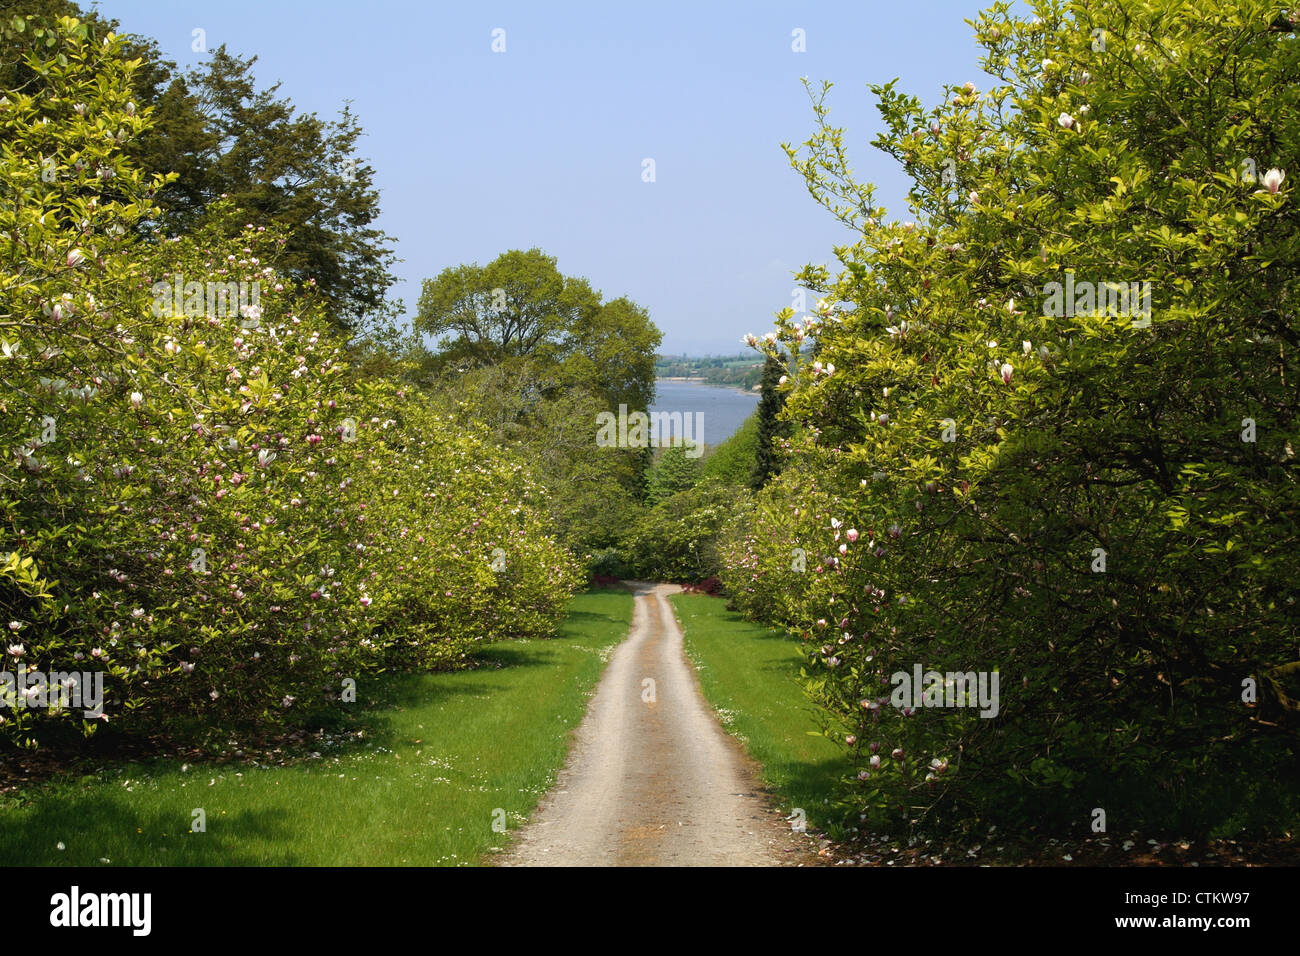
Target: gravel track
(653, 780)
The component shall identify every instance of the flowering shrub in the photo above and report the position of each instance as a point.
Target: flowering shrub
(209, 504)
(1099, 506)
(773, 552)
(456, 548)
(676, 539)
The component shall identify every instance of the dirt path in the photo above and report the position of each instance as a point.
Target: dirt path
(653, 780)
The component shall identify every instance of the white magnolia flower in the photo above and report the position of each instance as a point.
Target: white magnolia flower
(1066, 121)
(1273, 180)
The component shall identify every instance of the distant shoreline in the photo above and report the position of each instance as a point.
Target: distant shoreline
(701, 381)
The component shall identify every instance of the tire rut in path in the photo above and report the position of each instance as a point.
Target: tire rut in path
(654, 782)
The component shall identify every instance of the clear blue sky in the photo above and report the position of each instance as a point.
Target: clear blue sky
(478, 152)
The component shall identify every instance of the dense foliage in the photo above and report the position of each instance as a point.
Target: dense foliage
(520, 307)
(222, 136)
(676, 538)
(1099, 504)
(198, 495)
(524, 406)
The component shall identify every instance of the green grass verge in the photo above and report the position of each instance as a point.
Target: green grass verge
(749, 675)
(441, 754)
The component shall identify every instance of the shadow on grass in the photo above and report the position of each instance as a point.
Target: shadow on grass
(576, 619)
(808, 783)
(417, 690)
(732, 619)
(81, 819)
(519, 655)
(72, 803)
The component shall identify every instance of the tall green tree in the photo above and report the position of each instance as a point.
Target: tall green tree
(673, 471)
(521, 306)
(223, 136)
(517, 305)
(770, 429)
(614, 348)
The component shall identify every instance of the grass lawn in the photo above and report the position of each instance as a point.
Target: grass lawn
(442, 753)
(749, 674)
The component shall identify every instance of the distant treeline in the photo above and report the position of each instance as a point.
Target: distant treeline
(739, 370)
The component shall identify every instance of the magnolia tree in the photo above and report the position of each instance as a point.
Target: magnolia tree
(69, 204)
(1048, 495)
(203, 502)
